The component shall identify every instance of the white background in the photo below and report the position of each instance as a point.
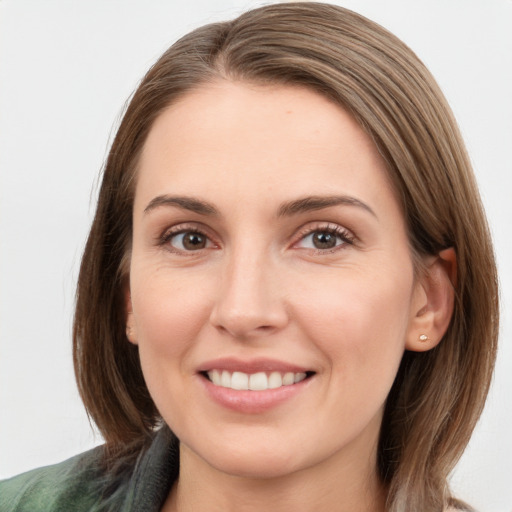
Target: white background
(66, 69)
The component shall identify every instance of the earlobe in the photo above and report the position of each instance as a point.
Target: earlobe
(433, 302)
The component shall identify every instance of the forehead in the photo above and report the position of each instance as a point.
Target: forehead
(266, 140)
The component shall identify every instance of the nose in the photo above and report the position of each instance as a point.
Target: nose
(249, 302)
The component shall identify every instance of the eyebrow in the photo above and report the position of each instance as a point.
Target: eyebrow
(302, 205)
(311, 203)
(186, 203)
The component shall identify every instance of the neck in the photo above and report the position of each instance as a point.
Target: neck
(349, 487)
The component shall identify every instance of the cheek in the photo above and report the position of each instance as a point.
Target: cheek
(168, 314)
(358, 320)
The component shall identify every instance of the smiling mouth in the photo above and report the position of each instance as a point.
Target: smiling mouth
(260, 381)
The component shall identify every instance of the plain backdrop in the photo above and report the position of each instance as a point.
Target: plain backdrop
(66, 69)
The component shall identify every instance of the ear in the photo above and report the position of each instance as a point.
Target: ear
(131, 333)
(432, 303)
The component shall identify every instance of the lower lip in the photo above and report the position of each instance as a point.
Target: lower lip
(253, 402)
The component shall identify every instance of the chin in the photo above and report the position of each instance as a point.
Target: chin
(254, 462)
(259, 468)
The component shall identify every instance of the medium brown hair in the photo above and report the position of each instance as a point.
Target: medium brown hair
(438, 395)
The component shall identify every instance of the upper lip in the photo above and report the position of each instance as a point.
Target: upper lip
(232, 364)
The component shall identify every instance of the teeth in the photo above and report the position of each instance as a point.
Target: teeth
(240, 380)
(215, 377)
(297, 377)
(275, 380)
(256, 381)
(225, 380)
(288, 379)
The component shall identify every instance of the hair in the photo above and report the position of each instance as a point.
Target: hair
(438, 395)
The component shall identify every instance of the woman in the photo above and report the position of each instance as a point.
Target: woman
(287, 284)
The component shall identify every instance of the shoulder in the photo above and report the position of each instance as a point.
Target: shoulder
(69, 485)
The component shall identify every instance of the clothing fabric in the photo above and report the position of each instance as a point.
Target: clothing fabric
(80, 485)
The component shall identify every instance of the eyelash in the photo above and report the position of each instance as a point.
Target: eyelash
(346, 237)
(169, 234)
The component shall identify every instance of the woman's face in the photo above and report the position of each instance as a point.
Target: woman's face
(269, 252)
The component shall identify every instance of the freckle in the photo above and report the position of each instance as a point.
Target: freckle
(288, 111)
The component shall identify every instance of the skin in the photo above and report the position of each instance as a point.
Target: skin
(258, 287)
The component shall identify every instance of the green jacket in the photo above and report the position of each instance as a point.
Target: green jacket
(79, 485)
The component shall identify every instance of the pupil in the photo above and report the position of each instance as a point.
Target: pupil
(324, 240)
(194, 241)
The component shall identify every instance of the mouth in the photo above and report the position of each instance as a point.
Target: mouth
(258, 381)
(253, 386)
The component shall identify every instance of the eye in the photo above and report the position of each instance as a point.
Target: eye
(188, 240)
(325, 238)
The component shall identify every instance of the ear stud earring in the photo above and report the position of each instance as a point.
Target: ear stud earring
(423, 337)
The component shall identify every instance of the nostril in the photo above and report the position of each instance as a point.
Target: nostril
(242, 327)
(265, 328)
(244, 308)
